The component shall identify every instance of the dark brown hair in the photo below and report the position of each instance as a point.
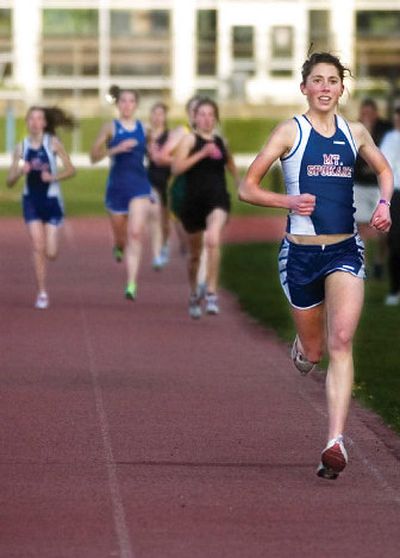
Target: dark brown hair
(55, 118)
(160, 105)
(323, 58)
(115, 93)
(205, 101)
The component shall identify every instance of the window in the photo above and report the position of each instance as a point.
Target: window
(282, 38)
(319, 34)
(378, 44)
(70, 42)
(5, 43)
(206, 42)
(140, 43)
(243, 51)
(243, 42)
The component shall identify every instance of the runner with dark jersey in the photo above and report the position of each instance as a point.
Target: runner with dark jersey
(206, 187)
(203, 157)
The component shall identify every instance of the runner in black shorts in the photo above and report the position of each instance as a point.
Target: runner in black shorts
(203, 156)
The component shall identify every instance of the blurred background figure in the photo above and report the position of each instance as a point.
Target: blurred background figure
(35, 158)
(366, 191)
(203, 156)
(159, 174)
(128, 188)
(391, 149)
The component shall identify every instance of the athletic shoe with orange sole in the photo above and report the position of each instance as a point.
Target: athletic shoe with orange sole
(333, 459)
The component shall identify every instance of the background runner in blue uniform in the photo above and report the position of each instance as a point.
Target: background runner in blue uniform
(128, 188)
(321, 259)
(43, 209)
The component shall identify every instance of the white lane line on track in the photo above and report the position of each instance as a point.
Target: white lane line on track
(374, 471)
(116, 499)
(121, 528)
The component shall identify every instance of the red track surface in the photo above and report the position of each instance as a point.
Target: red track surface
(128, 430)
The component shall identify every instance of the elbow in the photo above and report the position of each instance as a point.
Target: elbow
(243, 192)
(94, 156)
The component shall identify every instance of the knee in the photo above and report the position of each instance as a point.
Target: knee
(212, 240)
(39, 249)
(194, 257)
(339, 342)
(135, 235)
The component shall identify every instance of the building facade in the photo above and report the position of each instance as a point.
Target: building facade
(246, 50)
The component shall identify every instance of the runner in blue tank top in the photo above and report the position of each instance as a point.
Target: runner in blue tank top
(43, 208)
(128, 188)
(321, 258)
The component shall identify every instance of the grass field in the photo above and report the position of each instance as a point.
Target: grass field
(84, 194)
(250, 271)
(244, 136)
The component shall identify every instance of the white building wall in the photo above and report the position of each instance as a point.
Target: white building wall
(183, 49)
(26, 39)
(260, 14)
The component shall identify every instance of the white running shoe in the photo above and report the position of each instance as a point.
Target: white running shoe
(194, 307)
(158, 263)
(42, 301)
(334, 459)
(202, 290)
(300, 361)
(164, 254)
(212, 307)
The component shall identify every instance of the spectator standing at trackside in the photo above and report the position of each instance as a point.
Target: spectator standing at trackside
(390, 147)
(366, 190)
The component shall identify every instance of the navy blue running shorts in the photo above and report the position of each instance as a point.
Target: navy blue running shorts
(47, 210)
(303, 268)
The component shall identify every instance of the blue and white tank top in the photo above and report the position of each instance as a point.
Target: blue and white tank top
(127, 169)
(323, 167)
(40, 159)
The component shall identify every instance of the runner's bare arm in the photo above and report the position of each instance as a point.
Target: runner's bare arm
(99, 149)
(17, 167)
(68, 169)
(183, 161)
(165, 155)
(367, 149)
(250, 190)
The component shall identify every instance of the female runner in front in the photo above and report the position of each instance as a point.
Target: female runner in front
(321, 258)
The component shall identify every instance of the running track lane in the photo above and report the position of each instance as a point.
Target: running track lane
(128, 430)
